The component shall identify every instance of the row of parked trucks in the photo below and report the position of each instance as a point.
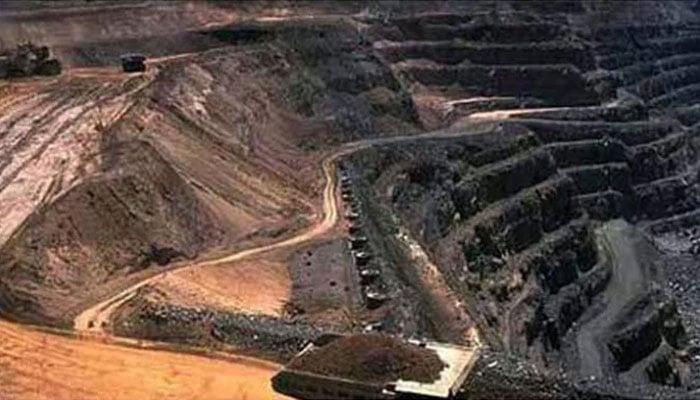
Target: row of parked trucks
(370, 277)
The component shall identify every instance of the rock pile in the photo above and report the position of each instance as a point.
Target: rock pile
(373, 358)
(281, 337)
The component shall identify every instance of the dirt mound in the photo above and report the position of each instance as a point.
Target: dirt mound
(139, 214)
(374, 358)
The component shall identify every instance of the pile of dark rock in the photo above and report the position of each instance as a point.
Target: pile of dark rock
(281, 337)
(498, 375)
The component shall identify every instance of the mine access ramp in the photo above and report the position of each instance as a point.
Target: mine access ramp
(318, 373)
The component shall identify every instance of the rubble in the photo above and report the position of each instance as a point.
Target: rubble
(280, 337)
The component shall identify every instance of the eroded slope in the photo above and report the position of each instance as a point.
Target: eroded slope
(201, 155)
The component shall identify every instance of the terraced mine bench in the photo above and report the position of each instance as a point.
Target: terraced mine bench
(294, 380)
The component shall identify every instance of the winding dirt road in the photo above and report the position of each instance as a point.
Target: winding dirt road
(617, 240)
(45, 365)
(97, 317)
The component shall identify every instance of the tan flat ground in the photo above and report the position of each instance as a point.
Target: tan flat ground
(36, 365)
(258, 286)
(496, 115)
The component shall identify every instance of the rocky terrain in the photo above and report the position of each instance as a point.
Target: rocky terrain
(520, 176)
(513, 218)
(137, 192)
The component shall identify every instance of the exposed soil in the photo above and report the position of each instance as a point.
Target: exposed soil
(325, 286)
(372, 358)
(489, 237)
(230, 287)
(38, 365)
(231, 167)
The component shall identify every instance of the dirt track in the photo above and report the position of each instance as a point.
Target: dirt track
(41, 365)
(617, 238)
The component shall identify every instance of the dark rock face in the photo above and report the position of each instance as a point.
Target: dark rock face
(514, 238)
(509, 217)
(342, 80)
(511, 54)
(508, 230)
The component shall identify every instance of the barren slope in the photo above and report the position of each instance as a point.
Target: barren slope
(200, 156)
(38, 365)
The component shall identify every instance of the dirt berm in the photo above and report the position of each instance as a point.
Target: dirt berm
(372, 358)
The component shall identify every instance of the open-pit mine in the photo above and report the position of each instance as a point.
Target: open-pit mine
(350, 199)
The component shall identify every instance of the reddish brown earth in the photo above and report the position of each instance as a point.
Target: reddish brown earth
(38, 365)
(373, 358)
(198, 186)
(133, 189)
(109, 179)
(231, 286)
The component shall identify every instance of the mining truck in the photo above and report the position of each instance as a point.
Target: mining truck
(27, 60)
(4, 66)
(133, 62)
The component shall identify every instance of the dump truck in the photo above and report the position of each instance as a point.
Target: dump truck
(28, 59)
(133, 62)
(357, 242)
(354, 228)
(375, 298)
(369, 275)
(361, 257)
